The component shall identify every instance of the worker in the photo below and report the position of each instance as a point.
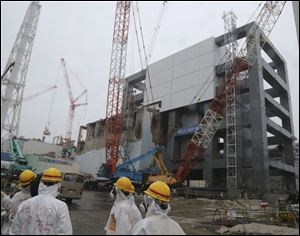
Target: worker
(25, 180)
(5, 212)
(156, 205)
(124, 214)
(43, 214)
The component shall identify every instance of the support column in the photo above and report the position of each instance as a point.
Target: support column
(171, 140)
(259, 179)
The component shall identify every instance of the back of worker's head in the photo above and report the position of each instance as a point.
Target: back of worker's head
(26, 177)
(122, 187)
(157, 193)
(50, 183)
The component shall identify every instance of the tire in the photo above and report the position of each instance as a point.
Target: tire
(69, 200)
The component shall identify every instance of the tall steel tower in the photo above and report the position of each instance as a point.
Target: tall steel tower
(114, 109)
(12, 85)
(232, 110)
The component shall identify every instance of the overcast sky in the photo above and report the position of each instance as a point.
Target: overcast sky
(81, 32)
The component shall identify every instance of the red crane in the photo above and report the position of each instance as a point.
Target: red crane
(68, 136)
(264, 23)
(114, 109)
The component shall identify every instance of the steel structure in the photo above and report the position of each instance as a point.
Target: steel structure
(12, 87)
(233, 145)
(264, 23)
(73, 105)
(115, 106)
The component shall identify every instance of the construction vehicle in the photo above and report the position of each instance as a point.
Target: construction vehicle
(214, 116)
(12, 164)
(163, 175)
(105, 178)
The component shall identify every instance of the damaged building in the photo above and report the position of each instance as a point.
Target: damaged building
(182, 87)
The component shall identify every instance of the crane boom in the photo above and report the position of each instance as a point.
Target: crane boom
(39, 93)
(68, 136)
(66, 76)
(115, 109)
(264, 24)
(156, 30)
(18, 62)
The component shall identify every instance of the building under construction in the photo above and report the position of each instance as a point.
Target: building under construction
(167, 108)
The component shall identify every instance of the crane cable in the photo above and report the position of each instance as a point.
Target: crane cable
(52, 99)
(144, 49)
(209, 83)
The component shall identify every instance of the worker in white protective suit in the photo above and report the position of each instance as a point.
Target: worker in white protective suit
(25, 180)
(5, 213)
(124, 214)
(43, 214)
(156, 205)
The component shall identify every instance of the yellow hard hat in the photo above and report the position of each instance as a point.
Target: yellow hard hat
(52, 175)
(159, 190)
(26, 177)
(125, 184)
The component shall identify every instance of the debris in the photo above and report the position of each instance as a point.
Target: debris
(258, 229)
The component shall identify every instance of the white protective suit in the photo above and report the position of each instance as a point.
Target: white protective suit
(123, 215)
(42, 214)
(5, 213)
(16, 200)
(157, 222)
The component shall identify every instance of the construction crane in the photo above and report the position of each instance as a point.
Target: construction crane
(39, 93)
(115, 106)
(12, 87)
(73, 105)
(8, 69)
(263, 24)
(163, 175)
(156, 31)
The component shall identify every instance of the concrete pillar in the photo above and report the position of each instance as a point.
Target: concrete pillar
(288, 124)
(172, 156)
(260, 164)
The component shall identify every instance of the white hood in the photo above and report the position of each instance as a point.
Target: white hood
(155, 209)
(49, 190)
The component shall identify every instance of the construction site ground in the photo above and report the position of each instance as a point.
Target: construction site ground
(89, 215)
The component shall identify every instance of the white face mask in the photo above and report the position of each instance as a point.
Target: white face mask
(146, 203)
(143, 207)
(112, 194)
(59, 187)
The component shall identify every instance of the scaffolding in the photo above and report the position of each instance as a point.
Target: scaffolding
(233, 122)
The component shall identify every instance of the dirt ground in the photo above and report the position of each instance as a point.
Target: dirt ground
(89, 215)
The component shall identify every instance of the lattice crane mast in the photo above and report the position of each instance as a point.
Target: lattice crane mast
(263, 24)
(115, 106)
(73, 105)
(13, 83)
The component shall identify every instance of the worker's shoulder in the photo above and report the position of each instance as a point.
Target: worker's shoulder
(123, 204)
